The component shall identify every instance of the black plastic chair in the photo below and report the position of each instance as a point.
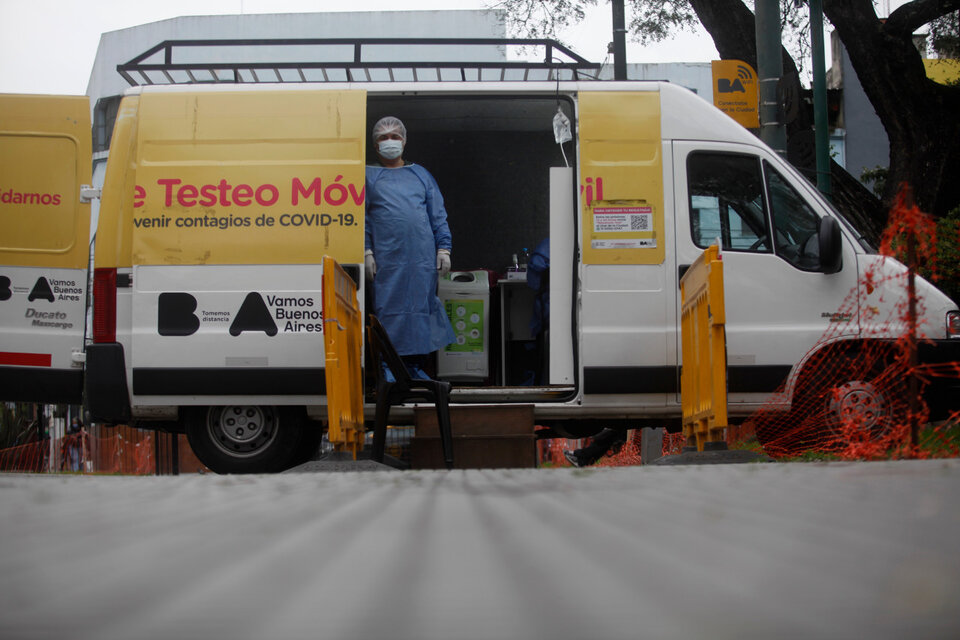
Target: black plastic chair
(403, 388)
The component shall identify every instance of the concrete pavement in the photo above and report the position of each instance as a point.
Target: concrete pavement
(838, 550)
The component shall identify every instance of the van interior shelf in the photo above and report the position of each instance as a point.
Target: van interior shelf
(354, 60)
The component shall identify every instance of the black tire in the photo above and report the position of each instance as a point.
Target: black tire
(311, 433)
(244, 438)
(853, 397)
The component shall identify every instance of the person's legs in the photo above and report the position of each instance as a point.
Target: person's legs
(416, 364)
(599, 445)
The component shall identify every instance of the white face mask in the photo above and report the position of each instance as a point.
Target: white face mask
(390, 149)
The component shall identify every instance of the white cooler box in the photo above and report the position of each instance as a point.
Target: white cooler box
(466, 298)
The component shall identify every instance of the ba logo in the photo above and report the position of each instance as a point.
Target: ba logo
(5, 291)
(41, 290)
(176, 317)
(726, 85)
(253, 316)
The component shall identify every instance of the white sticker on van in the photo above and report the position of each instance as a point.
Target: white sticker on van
(626, 243)
(610, 219)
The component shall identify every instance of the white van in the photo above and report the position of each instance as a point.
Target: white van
(220, 201)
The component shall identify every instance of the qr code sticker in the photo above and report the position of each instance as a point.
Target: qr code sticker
(640, 222)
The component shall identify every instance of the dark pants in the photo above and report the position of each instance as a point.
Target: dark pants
(599, 445)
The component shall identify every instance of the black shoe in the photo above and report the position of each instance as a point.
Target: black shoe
(572, 458)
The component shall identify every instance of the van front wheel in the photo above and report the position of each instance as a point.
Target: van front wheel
(244, 438)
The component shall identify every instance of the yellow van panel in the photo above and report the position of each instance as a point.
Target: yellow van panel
(114, 224)
(45, 155)
(621, 177)
(238, 177)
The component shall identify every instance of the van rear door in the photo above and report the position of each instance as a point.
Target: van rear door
(239, 195)
(45, 157)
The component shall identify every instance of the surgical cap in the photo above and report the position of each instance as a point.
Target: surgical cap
(388, 124)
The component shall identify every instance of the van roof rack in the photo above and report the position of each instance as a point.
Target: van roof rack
(351, 60)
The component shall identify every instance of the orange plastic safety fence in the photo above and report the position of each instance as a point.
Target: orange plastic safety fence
(121, 450)
(551, 451)
(864, 399)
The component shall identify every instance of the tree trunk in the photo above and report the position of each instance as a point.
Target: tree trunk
(920, 116)
(732, 26)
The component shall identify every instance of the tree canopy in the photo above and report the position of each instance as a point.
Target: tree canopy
(921, 117)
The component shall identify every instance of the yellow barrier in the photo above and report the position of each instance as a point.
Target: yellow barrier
(703, 380)
(342, 339)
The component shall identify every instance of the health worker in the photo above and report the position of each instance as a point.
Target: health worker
(407, 247)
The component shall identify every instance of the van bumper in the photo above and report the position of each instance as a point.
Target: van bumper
(105, 384)
(52, 386)
(942, 392)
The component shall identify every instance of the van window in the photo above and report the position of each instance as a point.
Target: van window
(796, 226)
(726, 202)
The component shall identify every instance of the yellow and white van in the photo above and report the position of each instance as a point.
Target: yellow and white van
(44, 246)
(220, 201)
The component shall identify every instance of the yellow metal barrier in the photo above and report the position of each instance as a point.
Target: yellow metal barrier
(703, 381)
(342, 339)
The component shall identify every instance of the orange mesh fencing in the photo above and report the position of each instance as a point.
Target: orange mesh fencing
(114, 450)
(864, 399)
(550, 452)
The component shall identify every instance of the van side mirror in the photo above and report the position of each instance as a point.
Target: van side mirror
(831, 245)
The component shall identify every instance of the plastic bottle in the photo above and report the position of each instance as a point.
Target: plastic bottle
(524, 259)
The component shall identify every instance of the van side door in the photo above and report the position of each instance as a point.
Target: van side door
(779, 300)
(45, 157)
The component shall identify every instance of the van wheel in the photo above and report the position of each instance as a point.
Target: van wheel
(310, 436)
(244, 438)
(860, 398)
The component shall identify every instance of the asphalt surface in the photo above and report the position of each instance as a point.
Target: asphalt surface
(834, 550)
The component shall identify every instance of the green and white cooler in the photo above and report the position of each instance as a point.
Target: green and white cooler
(466, 298)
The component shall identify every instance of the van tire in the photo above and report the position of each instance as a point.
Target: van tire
(311, 433)
(244, 438)
(850, 391)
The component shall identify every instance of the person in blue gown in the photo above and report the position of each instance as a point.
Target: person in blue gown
(407, 247)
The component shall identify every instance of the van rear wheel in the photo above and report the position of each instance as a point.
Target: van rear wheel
(244, 438)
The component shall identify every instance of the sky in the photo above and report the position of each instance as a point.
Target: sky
(48, 46)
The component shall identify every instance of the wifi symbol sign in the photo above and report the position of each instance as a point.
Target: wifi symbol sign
(744, 72)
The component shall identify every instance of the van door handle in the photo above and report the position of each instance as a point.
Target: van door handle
(682, 269)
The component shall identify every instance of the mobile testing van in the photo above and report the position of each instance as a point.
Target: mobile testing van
(221, 199)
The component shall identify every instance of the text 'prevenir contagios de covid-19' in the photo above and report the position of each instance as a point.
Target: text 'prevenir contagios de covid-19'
(212, 198)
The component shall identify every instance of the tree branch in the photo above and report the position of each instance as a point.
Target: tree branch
(913, 15)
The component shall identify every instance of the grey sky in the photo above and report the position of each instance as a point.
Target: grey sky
(48, 46)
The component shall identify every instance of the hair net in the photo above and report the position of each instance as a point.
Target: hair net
(388, 124)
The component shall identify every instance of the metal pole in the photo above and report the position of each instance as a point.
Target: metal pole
(175, 461)
(820, 98)
(770, 70)
(619, 41)
(913, 387)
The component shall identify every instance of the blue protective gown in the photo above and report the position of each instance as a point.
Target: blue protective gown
(405, 225)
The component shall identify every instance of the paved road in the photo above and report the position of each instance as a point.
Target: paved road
(839, 550)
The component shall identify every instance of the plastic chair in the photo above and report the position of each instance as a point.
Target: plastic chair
(403, 388)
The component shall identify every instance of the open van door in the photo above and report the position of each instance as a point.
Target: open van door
(45, 159)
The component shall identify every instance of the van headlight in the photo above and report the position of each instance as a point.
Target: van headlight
(953, 324)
